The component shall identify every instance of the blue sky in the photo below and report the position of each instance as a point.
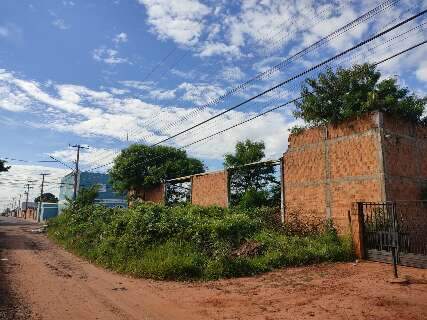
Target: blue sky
(96, 72)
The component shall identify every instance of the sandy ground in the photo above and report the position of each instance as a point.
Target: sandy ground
(42, 281)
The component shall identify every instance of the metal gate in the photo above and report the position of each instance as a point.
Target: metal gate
(400, 224)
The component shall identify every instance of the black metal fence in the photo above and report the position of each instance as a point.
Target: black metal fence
(178, 191)
(399, 224)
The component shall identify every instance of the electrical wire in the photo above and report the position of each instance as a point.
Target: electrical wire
(360, 44)
(268, 73)
(280, 106)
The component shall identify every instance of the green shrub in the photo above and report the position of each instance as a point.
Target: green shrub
(170, 260)
(191, 242)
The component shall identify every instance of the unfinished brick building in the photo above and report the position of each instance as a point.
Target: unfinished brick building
(210, 189)
(154, 194)
(373, 158)
(207, 189)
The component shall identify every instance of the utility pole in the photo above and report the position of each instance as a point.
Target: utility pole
(13, 205)
(76, 170)
(39, 209)
(27, 194)
(26, 201)
(19, 205)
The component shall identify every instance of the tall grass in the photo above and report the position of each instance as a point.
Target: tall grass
(190, 242)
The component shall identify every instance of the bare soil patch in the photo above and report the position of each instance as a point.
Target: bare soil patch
(55, 284)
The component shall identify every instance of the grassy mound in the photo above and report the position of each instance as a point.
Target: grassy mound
(190, 242)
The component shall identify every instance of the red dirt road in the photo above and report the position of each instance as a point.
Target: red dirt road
(39, 280)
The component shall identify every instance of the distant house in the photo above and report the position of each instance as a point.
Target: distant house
(28, 210)
(106, 195)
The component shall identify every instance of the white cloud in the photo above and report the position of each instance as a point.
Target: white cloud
(267, 129)
(232, 73)
(13, 101)
(140, 85)
(179, 20)
(87, 156)
(60, 24)
(32, 89)
(184, 74)
(163, 94)
(11, 98)
(216, 48)
(120, 38)
(81, 114)
(74, 93)
(200, 93)
(117, 91)
(109, 56)
(421, 72)
(12, 182)
(150, 88)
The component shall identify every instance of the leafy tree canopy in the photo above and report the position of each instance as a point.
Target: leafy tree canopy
(3, 167)
(85, 197)
(47, 197)
(142, 166)
(249, 183)
(345, 93)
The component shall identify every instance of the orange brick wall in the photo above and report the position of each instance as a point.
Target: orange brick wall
(405, 159)
(373, 158)
(326, 169)
(154, 194)
(354, 157)
(210, 189)
(345, 193)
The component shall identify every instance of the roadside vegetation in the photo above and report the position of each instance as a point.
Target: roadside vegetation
(190, 242)
(3, 167)
(252, 186)
(140, 166)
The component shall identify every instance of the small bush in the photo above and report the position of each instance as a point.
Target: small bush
(170, 260)
(303, 223)
(192, 242)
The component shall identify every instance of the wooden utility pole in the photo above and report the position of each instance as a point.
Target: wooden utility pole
(14, 205)
(26, 201)
(27, 193)
(39, 209)
(19, 206)
(76, 170)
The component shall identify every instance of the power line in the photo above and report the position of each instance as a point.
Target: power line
(298, 75)
(262, 38)
(21, 160)
(59, 161)
(159, 64)
(282, 105)
(268, 73)
(76, 171)
(301, 74)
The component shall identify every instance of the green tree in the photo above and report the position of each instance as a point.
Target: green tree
(3, 167)
(47, 197)
(345, 93)
(85, 197)
(142, 166)
(249, 183)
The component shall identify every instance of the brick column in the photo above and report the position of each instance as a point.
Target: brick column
(356, 224)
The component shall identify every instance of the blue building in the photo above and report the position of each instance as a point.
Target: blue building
(106, 195)
(48, 210)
